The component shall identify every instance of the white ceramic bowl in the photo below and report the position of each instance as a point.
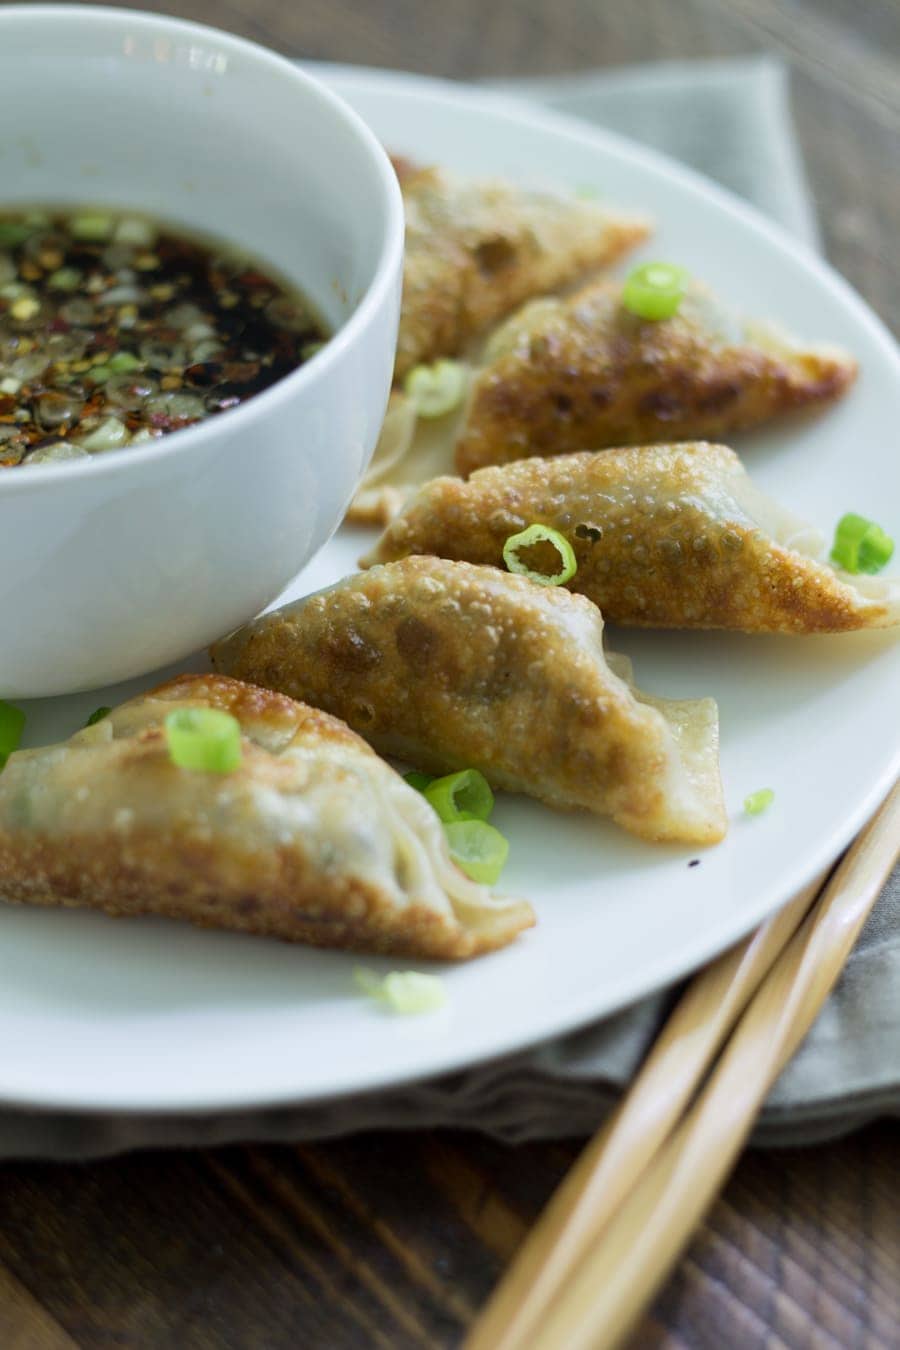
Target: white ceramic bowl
(112, 566)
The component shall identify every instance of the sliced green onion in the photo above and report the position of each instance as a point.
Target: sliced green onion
(12, 724)
(860, 545)
(537, 534)
(97, 716)
(123, 361)
(109, 435)
(759, 801)
(25, 307)
(64, 279)
(418, 780)
(403, 991)
(461, 796)
(56, 453)
(205, 739)
(100, 374)
(133, 230)
(91, 227)
(438, 389)
(478, 848)
(655, 290)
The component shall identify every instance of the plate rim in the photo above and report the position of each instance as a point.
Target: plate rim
(445, 1058)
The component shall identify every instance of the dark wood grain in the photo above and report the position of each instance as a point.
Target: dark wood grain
(395, 1242)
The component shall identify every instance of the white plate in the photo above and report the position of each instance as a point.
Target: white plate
(145, 1014)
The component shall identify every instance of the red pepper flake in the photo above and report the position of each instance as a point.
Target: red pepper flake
(240, 372)
(252, 278)
(231, 292)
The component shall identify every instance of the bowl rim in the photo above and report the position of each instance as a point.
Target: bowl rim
(26, 477)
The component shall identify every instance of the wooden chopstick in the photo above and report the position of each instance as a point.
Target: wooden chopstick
(615, 1276)
(611, 1163)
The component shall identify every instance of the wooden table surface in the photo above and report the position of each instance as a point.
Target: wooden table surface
(395, 1241)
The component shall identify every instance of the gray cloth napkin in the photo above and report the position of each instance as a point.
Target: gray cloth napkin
(729, 119)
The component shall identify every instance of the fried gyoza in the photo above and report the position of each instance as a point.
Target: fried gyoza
(409, 452)
(450, 666)
(665, 536)
(583, 373)
(312, 839)
(476, 248)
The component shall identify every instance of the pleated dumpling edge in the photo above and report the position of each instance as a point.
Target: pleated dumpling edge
(449, 666)
(664, 536)
(311, 838)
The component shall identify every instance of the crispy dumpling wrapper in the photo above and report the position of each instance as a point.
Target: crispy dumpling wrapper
(449, 666)
(410, 451)
(582, 373)
(476, 248)
(312, 839)
(665, 536)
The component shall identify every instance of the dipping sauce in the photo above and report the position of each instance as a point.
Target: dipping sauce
(116, 329)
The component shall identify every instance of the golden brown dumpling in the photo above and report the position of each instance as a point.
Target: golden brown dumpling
(665, 536)
(476, 248)
(450, 666)
(312, 839)
(582, 373)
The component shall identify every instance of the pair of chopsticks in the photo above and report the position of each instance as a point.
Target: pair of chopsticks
(617, 1224)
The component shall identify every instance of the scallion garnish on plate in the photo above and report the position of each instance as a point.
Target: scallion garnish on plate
(461, 796)
(759, 801)
(437, 389)
(860, 545)
(540, 534)
(403, 991)
(207, 740)
(654, 290)
(478, 848)
(463, 801)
